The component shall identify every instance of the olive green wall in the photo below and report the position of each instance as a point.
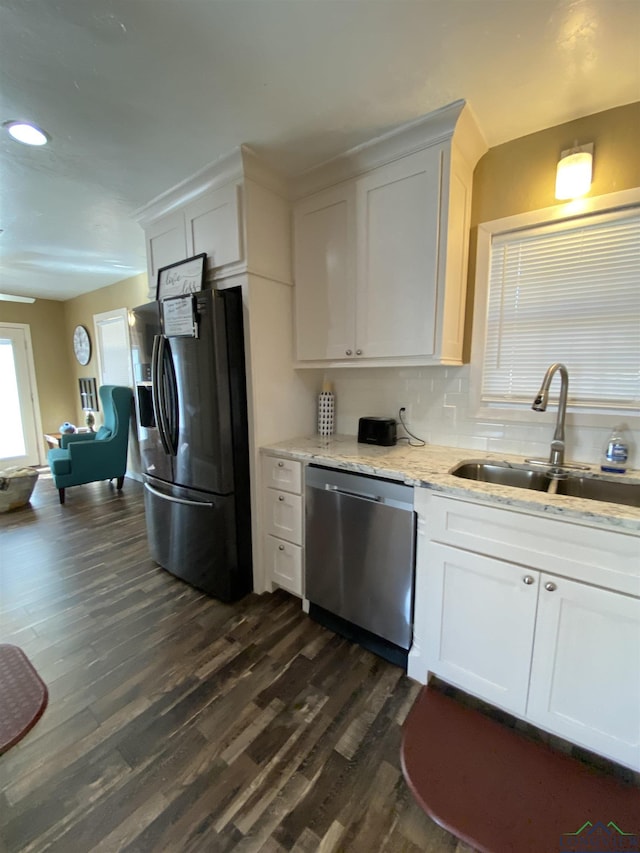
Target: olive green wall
(52, 323)
(80, 310)
(51, 356)
(520, 175)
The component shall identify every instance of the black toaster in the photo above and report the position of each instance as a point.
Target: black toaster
(377, 431)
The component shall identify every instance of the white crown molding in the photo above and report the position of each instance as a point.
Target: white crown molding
(436, 127)
(214, 175)
(241, 164)
(258, 171)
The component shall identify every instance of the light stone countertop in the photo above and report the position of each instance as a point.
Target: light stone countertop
(429, 467)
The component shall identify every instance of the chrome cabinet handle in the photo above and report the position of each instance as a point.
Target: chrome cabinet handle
(280, 497)
(280, 547)
(348, 352)
(280, 464)
(358, 352)
(550, 587)
(528, 580)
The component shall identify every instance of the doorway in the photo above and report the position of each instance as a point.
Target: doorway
(20, 428)
(114, 368)
(114, 352)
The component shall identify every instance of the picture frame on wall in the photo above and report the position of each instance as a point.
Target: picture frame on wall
(181, 278)
(88, 394)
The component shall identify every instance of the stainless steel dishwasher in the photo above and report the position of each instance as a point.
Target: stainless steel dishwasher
(360, 557)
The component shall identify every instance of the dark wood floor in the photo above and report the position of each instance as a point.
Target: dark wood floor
(177, 723)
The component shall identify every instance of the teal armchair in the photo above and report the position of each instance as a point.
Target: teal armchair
(102, 455)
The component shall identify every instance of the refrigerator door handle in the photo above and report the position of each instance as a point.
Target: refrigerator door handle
(158, 407)
(176, 500)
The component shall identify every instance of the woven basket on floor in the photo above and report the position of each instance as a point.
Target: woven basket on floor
(16, 487)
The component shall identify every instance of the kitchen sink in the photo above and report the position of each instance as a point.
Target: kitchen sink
(502, 474)
(570, 483)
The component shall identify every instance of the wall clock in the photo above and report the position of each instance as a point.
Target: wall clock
(82, 344)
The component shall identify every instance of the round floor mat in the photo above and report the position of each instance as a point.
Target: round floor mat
(23, 696)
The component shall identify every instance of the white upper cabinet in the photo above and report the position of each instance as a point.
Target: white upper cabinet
(381, 239)
(212, 225)
(325, 309)
(166, 244)
(397, 255)
(209, 223)
(236, 211)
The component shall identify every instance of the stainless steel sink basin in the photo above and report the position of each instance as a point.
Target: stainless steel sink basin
(502, 474)
(596, 489)
(571, 483)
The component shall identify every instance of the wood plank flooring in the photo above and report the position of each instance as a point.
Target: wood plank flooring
(178, 723)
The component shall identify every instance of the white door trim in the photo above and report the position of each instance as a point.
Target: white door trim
(99, 320)
(38, 451)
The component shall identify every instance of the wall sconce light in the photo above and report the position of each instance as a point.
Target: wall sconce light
(574, 171)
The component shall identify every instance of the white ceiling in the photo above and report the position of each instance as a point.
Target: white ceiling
(138, 95)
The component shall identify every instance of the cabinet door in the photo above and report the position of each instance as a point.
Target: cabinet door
(324, 242)
(213, 226)
(283, 515)
(398, 226)
(585, 677)
(284, 564)
(479, 619)
(166, 244)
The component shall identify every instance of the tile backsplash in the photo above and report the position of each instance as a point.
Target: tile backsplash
(440, 412)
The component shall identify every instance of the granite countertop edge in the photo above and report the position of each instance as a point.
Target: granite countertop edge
(429, 466)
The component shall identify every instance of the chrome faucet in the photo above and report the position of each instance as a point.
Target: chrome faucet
(556, 455)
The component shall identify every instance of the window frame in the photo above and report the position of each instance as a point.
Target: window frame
(558, 214)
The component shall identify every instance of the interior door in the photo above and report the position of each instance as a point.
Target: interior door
(20, 428)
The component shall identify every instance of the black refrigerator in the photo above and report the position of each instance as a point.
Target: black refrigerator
(191, 401)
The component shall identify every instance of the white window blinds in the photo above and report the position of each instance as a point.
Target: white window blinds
(567, 292)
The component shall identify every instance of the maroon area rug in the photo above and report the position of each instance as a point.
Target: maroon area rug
(23, 696)
(502, 792)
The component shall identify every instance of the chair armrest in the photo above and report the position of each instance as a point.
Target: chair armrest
(68, 438)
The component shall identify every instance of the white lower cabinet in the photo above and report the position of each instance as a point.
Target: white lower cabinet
(480, 623)
(558, 652)
(284, 564)
(585, 673)
(283, 515)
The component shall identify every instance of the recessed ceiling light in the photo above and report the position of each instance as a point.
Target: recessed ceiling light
(26, 133)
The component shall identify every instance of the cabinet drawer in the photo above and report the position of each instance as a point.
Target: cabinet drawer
(284, 564)
(601, 557)
(283, 515)
(283, 474)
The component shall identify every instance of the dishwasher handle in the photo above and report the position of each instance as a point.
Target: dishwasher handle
(362, 495)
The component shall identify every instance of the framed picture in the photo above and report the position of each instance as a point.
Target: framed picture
(181, 278)
(88, 394)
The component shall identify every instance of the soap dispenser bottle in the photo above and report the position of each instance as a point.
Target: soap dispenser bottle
(616, 453)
